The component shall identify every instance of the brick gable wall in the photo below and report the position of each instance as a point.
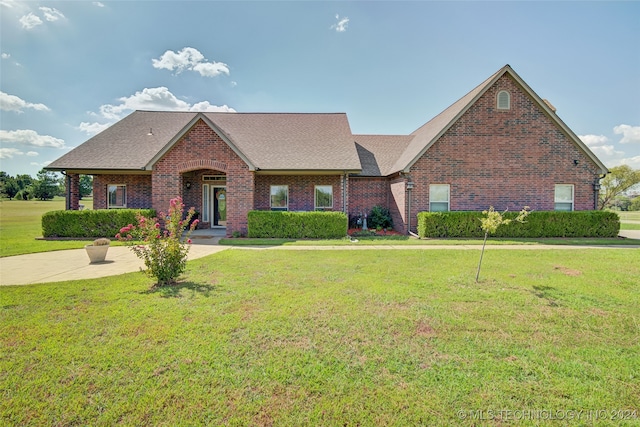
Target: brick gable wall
(506, 159)
(201, 142)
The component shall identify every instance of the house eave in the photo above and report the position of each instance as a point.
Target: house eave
(100, 171)
(306, 171)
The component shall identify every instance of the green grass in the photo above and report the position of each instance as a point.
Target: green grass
(20, 225)
(406, 241)
(629, 216)
(629, 226)
(332, 338)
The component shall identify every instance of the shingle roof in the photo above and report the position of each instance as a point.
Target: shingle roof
(126, 145)
(275, 141)
(269, 141)
(379, 153)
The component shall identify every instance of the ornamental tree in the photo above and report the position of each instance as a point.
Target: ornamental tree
(490, 223)
(164, 250)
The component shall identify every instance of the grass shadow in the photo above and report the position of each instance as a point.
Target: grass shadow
(544, 292)
(175, 290)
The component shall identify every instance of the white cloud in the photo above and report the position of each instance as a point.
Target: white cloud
(30, 137)
(43, 164)
(51, 14)
(205, 106)
(13, 103)
(594, 140)
(32, 153)
(30, 21)
(8, 153)
(606, 151)
(155, 99)
(99, 4)
(6, 55)
(634, 162)
(189, 59)
(341, 25)
(93, 128)
(630, 134)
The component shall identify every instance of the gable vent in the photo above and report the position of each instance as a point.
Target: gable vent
(504, 100)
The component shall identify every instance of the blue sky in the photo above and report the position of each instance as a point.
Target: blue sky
(71, 68)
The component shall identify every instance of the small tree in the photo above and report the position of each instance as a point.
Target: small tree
(164, 252)
(46, 186)
(490, 224)
(86, 185)
(10, 187)
(618, 180)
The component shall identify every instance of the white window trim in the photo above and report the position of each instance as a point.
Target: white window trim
(573, 196)
(508, 107)
(315, 197)
(206, 202)
(278, 208)
(124, 205)
(448, 201)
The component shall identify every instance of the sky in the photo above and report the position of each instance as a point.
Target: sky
(69, 69)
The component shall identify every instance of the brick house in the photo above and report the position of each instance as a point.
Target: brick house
(499, 145)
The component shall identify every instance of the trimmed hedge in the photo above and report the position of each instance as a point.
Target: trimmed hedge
(90, 223)
(538, 224)
(297, 225)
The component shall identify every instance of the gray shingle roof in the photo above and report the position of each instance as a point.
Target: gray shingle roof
(379, 153)
(126, 145)
(269, 141)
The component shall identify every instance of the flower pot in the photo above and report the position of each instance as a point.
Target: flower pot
(96, 253)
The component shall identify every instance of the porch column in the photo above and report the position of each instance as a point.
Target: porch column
(73, 191)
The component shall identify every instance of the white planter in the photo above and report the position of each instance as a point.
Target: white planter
(96, 253)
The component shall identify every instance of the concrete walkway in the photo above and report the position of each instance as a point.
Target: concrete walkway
(74, 264)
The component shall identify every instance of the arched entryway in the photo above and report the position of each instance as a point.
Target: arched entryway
(205, 188)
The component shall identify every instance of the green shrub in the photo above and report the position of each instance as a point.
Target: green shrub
(296, 225)
(90, 223)
(538, 224)
(379, 217)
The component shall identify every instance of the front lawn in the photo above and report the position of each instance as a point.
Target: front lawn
(21, 223)
(333, 338)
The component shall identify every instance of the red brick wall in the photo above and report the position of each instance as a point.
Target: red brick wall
(138, 190)
(398, 203)
(201, 142)
(301, 190)
(365, 193)
(503, 158)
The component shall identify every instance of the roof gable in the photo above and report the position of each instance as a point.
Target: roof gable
(430, 132)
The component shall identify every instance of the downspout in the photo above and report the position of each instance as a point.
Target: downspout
(596, 190)
(409, 188)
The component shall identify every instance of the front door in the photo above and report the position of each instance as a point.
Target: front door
(219, 206)
(214, 205)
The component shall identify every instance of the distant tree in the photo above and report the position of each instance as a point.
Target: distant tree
(46, 186)
(635, 204)
(86, 185)
(24, 181)
(618, 180)
(10, 187)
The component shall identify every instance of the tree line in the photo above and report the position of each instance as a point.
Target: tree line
(45, 186)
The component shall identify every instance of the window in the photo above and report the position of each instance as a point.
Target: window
(504, 100)
(324, 197)
(564, 197)
(116, 196)
(279, 197)
(439, 197)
